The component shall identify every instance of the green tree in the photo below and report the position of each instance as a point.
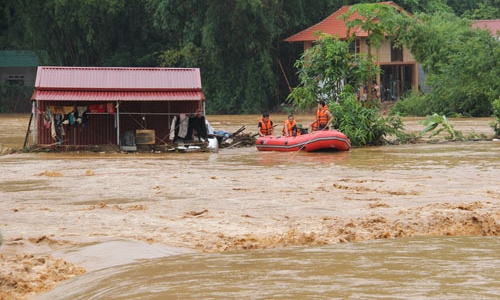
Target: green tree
(181, 24)
(483, 11)
(378, 21)
(320, 69)
(88, 32)
(324, 70)
(239, 54)
(13, 98)
(461, 63)
(364, 125)
(495, 125)
(425, 6)
(479, 7)
(238, 45)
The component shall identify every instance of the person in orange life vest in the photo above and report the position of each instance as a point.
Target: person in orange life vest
(298, 130)
(290, 127)
(314, 125)
(323, 118)
(301, 130)
(265, 125)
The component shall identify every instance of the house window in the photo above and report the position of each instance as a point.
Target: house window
(17, 79)
(354, 47)
(396, 53)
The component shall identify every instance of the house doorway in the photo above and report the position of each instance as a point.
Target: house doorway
(395, 81)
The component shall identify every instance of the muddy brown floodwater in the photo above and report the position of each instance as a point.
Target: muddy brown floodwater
(64, 214)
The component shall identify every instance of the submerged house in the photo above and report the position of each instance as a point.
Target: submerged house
(79, 107)
(400, 71)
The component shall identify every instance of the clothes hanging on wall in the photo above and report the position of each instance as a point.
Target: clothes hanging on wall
(171, 136)
(183, 126)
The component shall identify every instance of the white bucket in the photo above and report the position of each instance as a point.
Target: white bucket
(213, 145)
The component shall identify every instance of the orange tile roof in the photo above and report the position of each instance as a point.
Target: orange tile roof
(332, 25)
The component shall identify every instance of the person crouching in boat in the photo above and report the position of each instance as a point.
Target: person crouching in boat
(323, 118)
(290, 127)
(314, 125)
(265, 125)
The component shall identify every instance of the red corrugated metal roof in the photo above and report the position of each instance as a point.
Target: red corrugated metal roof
(114, 84)
(123, 79)
(116, 96)
(492, 25)
(332, 25)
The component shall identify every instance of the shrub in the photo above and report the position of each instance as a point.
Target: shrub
(436, 124)
(496, 113)
(414, 104)
(363, 125)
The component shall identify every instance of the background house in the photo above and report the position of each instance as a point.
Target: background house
(493, 26)
(400, 71)
(18, 67)
(111, 106)
(17, 78)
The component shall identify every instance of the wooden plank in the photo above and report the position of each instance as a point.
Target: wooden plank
(144, 137)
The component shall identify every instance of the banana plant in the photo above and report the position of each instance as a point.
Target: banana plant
(433, 121)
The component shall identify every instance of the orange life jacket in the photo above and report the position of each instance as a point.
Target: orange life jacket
(314, 126)
(266, 128)
(289, 126)
(298, 131)
(322, 117)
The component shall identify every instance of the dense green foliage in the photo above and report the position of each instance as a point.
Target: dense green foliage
(436, 124)
(13, 98)
(495, 125)
(238, 44)
(363, 125)
(377, 31)
(413, 104)
(461, 63)
(321, 69)
(88, 32)
(326, 69)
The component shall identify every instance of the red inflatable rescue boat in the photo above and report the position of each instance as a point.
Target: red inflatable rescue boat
(314, 141)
